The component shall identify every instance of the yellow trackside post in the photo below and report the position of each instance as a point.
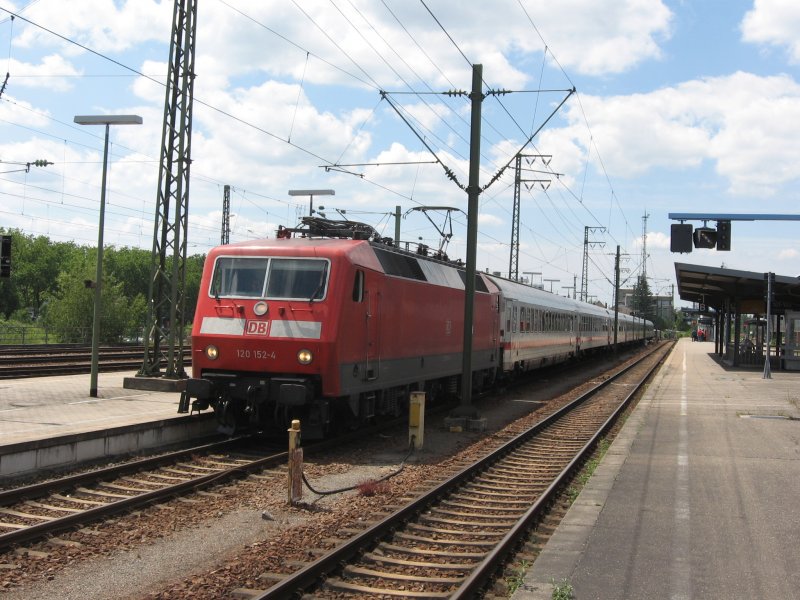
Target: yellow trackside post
(416, 420)
(295, 481)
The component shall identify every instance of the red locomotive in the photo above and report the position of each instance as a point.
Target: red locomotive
(335, 326)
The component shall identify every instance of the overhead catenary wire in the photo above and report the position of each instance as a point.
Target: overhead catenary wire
(568, 210)
(221, 111)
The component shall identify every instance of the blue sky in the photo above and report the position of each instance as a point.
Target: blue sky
(680, 107)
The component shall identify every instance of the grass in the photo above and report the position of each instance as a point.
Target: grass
(563, 590)
(587, 471)
(517, 577)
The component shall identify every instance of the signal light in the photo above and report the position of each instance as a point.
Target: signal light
(680, 238)
(723, 235)
(705, 237)
(5, 256)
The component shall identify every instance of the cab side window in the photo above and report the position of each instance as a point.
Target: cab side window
(358, 286)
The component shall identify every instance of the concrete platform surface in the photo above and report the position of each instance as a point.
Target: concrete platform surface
(47, 407)
(698, 497)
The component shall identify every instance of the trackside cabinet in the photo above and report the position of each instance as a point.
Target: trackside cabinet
(791, 356)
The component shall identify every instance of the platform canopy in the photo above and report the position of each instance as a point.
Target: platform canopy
(711, 286)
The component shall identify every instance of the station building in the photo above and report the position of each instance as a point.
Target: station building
(745, 327)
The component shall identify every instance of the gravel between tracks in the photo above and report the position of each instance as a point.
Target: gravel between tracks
(204, 546)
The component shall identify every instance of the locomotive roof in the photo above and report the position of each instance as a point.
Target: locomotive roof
(358, 250)
(293, 243)
(373, 255)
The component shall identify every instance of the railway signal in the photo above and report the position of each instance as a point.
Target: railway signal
(705, 237)
(683, 239)
(680, 237)
(5, 256)
(723, 235)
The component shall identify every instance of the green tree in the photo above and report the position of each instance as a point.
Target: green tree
(70, 310)
(36, 263)
(643, 299)
(49, 278)
(131, 267)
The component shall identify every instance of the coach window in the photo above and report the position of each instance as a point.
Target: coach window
(514, 321)
(358, 286)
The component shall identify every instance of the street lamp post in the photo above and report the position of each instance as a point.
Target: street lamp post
(552, 281)
(531, 273)
(311, 194)
(106, 120)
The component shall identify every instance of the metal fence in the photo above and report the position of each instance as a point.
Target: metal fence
(38, 334)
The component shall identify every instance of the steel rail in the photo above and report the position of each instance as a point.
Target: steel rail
(34, 532)
(37, 490)
(486, 571)
(40, 530)
(38, 365)
(310, 575)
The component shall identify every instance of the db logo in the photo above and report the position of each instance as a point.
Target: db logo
(256, 328)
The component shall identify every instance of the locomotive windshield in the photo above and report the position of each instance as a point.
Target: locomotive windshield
(286, 278)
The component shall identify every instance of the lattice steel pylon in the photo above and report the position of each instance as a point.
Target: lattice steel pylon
(586, 245)
(225, 238)
(163, 340)
(645, 216)
(513, 261)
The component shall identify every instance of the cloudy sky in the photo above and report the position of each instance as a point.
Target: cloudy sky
(679, 107)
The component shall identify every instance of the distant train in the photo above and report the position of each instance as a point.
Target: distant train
(334, 326)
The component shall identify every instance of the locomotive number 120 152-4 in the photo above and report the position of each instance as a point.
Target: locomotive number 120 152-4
(258, 354)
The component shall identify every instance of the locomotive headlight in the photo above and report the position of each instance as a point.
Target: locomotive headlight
(212, 352)
(260, 308)
(304, 357)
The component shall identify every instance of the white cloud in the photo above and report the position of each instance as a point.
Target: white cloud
(102, 25)
(52, 74)
(655, 239)
(489, 220)
(747, 125)
(775, 23)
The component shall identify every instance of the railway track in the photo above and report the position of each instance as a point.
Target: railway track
(45, 360)
(44, 509)
(454, 540)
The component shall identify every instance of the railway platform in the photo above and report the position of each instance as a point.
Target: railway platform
(696, 498)
(47, 422)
